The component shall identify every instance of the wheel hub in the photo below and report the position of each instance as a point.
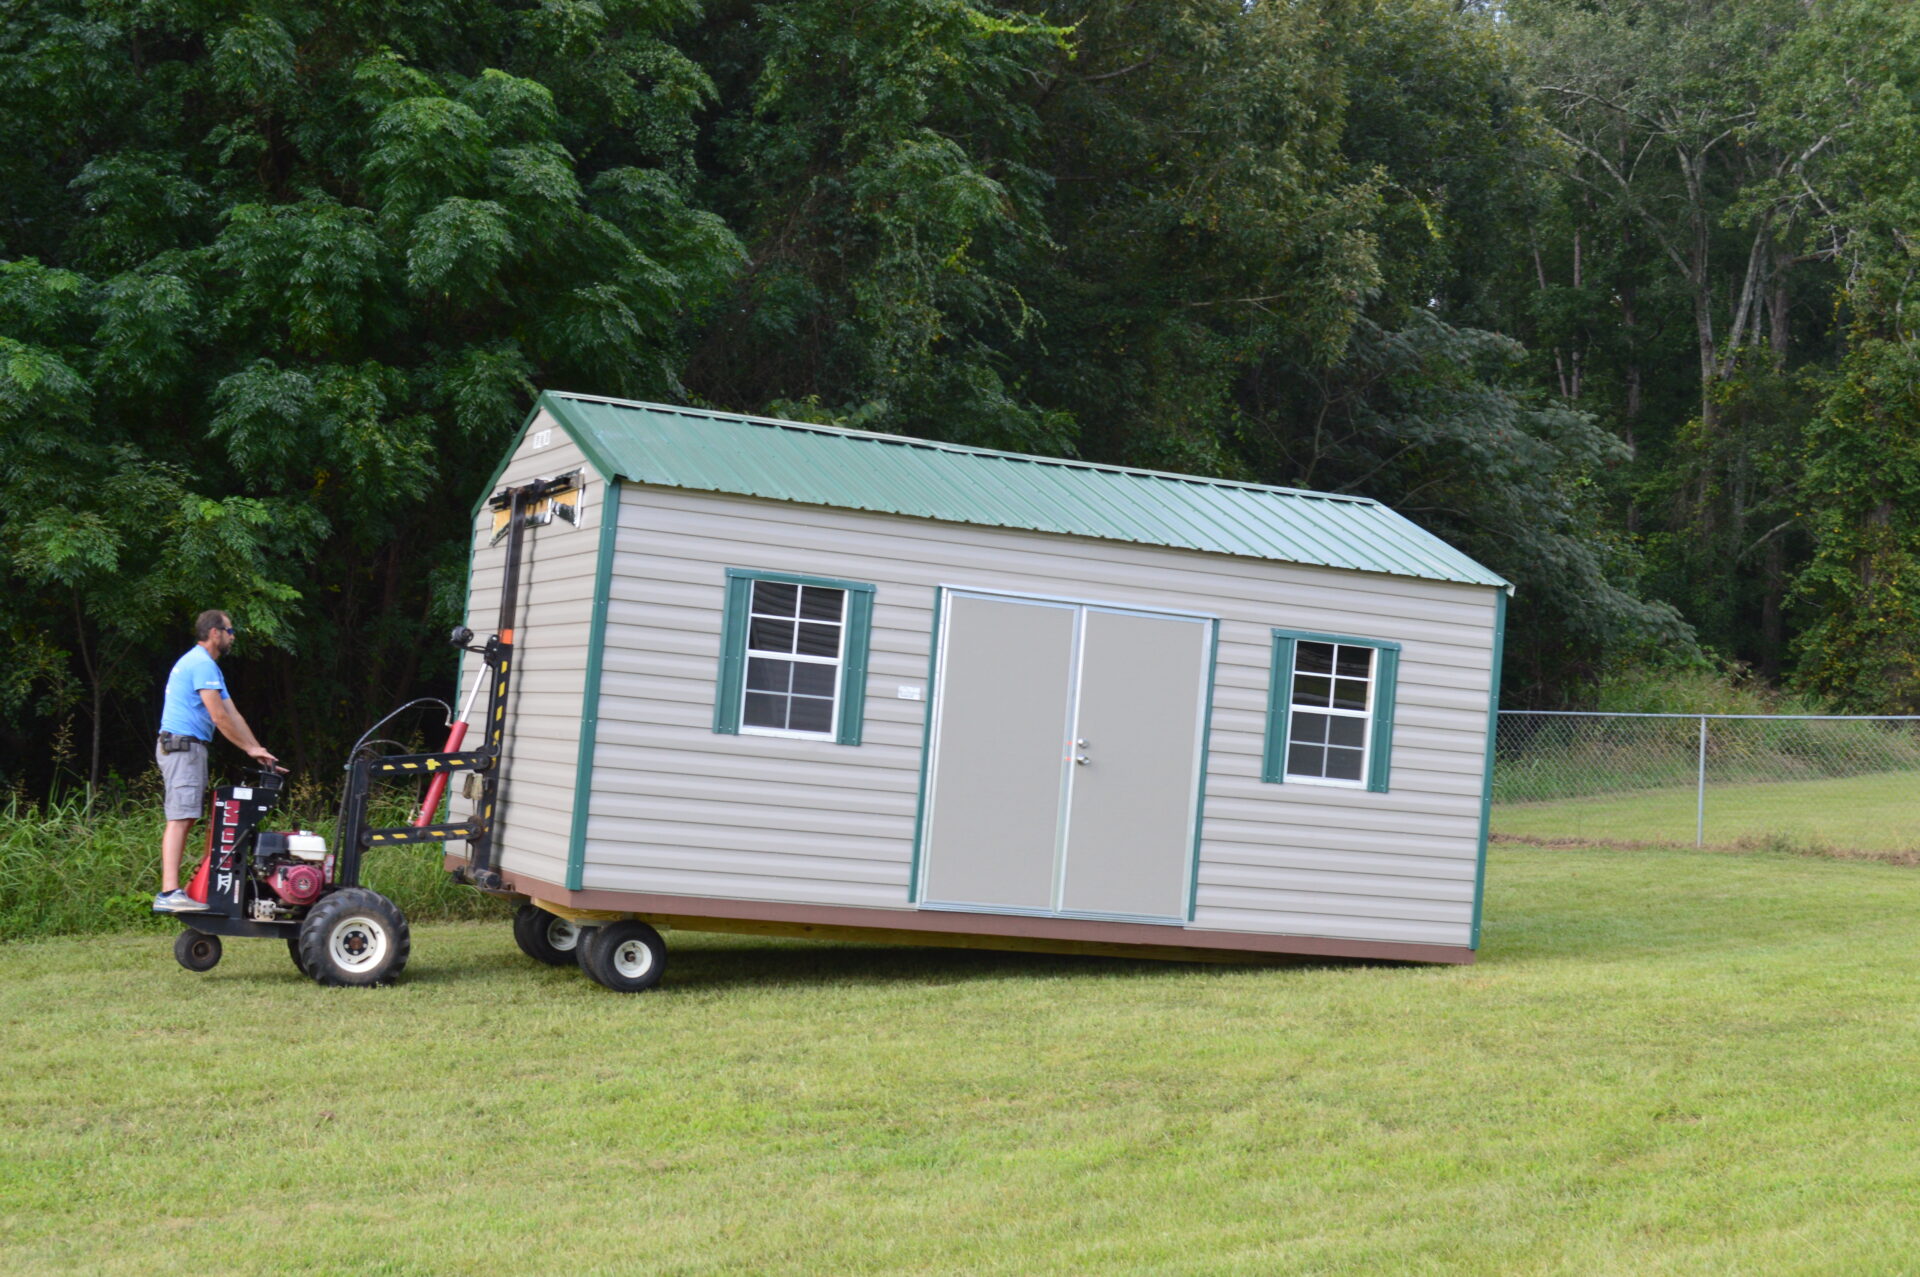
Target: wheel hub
(357, 943)
(633, 959)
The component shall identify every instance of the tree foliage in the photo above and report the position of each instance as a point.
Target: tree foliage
(280, 284)
(1558, 279)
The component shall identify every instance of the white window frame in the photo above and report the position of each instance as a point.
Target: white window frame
(837, 661)
(1365, 715)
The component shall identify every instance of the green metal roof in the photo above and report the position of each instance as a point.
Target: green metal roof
(857, 470)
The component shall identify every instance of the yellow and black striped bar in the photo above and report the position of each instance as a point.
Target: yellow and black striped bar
(465, 829)
(426, 764)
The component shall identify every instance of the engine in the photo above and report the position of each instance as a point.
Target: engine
(296, 882)
(293, 867)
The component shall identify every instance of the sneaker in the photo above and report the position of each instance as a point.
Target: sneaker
(177, 901)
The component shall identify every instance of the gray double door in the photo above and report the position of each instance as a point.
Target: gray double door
(1064, 776)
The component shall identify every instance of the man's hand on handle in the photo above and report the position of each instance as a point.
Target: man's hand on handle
(260, 755)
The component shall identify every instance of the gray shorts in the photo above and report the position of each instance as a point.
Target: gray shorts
(184, 777)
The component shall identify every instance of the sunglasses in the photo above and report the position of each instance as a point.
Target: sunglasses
(228, 628)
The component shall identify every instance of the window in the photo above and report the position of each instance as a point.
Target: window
(793, 656)
(1330, 710)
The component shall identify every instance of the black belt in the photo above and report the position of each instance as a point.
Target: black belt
(174, 742)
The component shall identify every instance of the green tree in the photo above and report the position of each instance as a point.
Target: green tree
(877, 161)
(1857, 73)
(303, 267)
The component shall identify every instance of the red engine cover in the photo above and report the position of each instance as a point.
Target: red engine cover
(297, 884)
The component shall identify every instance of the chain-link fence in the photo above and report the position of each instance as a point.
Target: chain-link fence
(1728, 780)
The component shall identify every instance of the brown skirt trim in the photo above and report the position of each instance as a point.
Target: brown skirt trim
(689, 912)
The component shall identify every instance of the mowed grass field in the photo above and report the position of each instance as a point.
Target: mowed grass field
(1665, 1062)
(1875, 813)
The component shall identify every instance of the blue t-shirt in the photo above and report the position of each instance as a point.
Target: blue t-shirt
(184, 713)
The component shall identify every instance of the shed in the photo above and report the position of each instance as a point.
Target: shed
(793, 679)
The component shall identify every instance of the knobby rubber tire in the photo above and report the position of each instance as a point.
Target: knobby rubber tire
(540, 934)
(293, 951)
(196, 950)
(627, 956)
(339, 931)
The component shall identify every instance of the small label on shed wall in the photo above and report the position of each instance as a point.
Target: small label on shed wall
(909, 693)
(540, 439)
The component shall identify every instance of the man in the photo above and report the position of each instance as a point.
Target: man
(196, 703)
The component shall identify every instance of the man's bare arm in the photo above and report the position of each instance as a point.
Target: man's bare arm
(227, 718)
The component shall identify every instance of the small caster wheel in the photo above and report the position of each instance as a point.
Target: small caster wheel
(196, 950)
(546, 937)
(626, 956)
(355, 937)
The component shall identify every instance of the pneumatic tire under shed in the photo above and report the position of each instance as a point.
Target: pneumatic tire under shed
(627, 956)
(546, 937)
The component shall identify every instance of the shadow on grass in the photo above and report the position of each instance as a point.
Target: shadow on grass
(709, 965)
(706, 962)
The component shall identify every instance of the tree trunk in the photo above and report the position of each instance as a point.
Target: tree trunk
(1778, 313)
(1709, 361)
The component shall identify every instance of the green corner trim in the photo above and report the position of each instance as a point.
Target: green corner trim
(1206, 744)
(853, 657)
(1386, 675)
(1486, 784)
(926, 749)
(590, 691)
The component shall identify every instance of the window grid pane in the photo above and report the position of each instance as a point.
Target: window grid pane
(1329, 720)
(805, 626)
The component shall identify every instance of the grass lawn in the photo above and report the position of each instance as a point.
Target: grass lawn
(1666, 1061)
(1880, 812)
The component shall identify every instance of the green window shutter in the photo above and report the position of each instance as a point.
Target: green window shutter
(733, 654)
(853, 664)
(1273, 767)
(1386, 670)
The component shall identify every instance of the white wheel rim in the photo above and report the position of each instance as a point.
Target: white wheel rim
(563, 935)
(357, 943)
(632, 959)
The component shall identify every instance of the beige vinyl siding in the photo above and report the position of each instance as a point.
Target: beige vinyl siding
(680, 810)
(545, 686)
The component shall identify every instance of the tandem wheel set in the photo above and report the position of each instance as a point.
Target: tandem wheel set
(289, 886)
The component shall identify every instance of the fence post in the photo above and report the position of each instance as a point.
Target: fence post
(1700, 807)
